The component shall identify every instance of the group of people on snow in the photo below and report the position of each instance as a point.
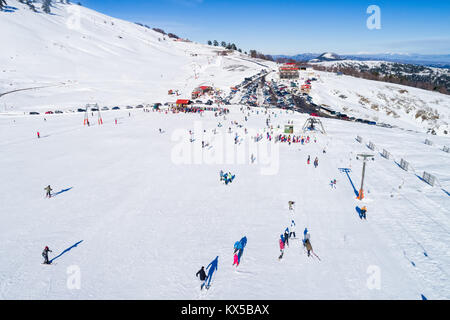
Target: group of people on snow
(284, 238)
(316, 161)
(293, 139)
(226, 177)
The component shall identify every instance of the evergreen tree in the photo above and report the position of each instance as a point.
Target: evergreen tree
(209, 42)
(31, 5)
(233, 46)
(46, 5)
(223, 44)
(2, 4)
(215, 43)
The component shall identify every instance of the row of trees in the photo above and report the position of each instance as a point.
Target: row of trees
(170, 35)
(232, 46)
(3, 4)
(259, 55)
(45, 4)
(405, 80)
(229, 46)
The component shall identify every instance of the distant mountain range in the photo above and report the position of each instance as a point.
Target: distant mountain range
(439, 61)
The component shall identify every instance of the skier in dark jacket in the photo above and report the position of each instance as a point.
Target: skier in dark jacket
(49, 191)
(202, 274)
(308, 246)
(286, 236)
(45, 255)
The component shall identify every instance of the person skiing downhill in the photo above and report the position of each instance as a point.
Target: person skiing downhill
(49, 191)
(291, 205)
(308, 246)
(281, 249)
(286, 236)
(309, 159)
(292, 233)
(363, 212)
(237, 245)
(305, 235)
(45, 255)
(202, 274)
(316, 162)
(236, 260)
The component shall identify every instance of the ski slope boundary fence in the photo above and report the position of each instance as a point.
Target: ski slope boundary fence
(426, 177)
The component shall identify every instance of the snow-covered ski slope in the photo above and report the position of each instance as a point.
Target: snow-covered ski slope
(148, 223)
(408, 107)
(77, 56)
(129, 222)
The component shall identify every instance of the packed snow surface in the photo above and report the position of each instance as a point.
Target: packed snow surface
(136, 212)
(148, 221)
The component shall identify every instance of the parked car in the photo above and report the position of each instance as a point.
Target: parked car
(81, 110)
(139, 106)
(34, 113)
(105, 108)
(58, 111)
(49, 112)
(115, 108)
(129, 107)
(94, 109)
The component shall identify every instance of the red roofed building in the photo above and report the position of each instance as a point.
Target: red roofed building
(182, 102)
(289, 71)
(205, 89)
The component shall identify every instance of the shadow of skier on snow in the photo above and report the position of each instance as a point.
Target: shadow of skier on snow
(62, 191)
(358, 210)
(211, 268)
(65, 251)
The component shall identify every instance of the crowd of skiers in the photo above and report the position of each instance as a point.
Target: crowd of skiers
(286, 138)
(205, 275)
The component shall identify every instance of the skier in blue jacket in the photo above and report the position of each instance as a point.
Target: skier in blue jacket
(236, 246)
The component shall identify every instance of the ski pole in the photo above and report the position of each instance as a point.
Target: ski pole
(316, 255)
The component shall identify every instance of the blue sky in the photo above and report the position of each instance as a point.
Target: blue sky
(296, 26)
